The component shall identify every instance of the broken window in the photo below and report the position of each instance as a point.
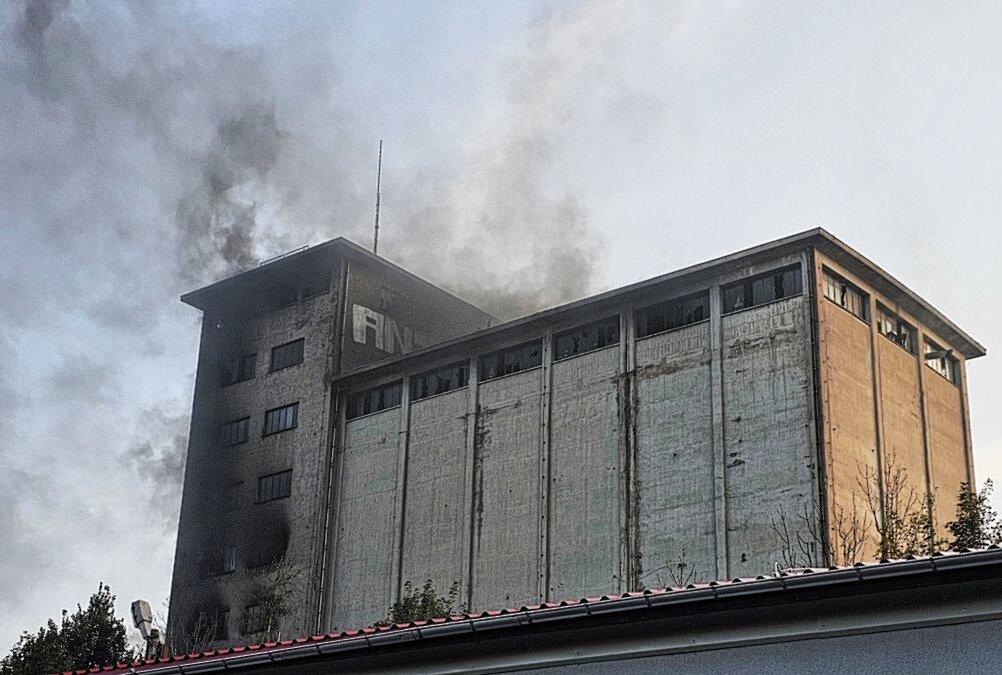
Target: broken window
(439, 381)
(846, 296)
(373, 400)
(762, 289)
(253, 619)
(941, 360)
(287, 355)
(511, 360)
(672, 314)
(238, 370)
(234, 433)
(274, 486)
(895, 329)
(281, 419)
(586, 338)
(222, 631)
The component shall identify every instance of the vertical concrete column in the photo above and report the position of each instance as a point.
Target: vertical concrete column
(628, 489)
(719, 451)
(878, 410)
(966, 421)
(468, 513)
(545, 506)
(809, 273)
(922, 374)
(400, 495)
(330, 573)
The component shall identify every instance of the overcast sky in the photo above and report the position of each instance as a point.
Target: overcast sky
(534, 152)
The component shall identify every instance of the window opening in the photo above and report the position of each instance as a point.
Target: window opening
(586, 338)
(846, 296)
(941, 360)
(281, 419)
(762, 289)
(439, 381)
(673, 314)
(239, 370)
(895, 329)
(511, 360)
(373, 400)
(234, 433)
(274, 486)
(287, 355)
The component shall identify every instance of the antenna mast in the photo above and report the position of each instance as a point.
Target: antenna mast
(379, 177)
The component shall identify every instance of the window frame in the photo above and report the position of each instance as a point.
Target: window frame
(280, 429)
(275, 482)
(301, 342)
(671, 304)
(460, 369)
(232, 424)
(951, 362)
(352, 399)
(829, 276)
(910, 331)
(501, 356)
(747, 288)
(603, 325)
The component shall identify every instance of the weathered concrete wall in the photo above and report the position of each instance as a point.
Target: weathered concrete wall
(507, 555)
(769, 465)
(675, 454)
(438, 494)
(948, 468)
(585, 527)
(369, 490)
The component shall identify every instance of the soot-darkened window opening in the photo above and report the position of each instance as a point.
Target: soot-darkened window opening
(586, 338)
(762, 289)
(234, 433)
(281, 419)
(511, 360)
(439, 381)
(673, 314)
(238, 370)
(287, 355)
(274, 486)
(373, 400)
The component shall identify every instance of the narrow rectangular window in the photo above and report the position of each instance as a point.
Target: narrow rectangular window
(895, 329)
(762, 289)
(846, 295)
(253, 616)
(274, 486)
(673, 314)
(229, 559)
(373, 400)
(287, 355)
(941, 360)
(238, 370)
(511, 360)
(438, 381)
(281, 419)
(234, 433)
(222, 628)
(586, 338)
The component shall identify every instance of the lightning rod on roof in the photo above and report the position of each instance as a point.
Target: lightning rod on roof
(379, 176)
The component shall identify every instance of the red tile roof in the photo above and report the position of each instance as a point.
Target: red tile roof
(544, 612)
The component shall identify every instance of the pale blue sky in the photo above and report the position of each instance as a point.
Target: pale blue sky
(640, 137)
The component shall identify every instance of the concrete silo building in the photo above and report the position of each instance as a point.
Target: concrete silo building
(581, 450)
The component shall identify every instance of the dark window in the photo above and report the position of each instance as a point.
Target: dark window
(373, 400)
(316, 282)
(229, 559)
(287, 355)
(761, 289)
(234, 433)
(511, 360)
(586, 338)
(275, 486)
(895, 329)
(673, 314)
(438, 381)
(239, 370)
(281, 419)
(941, 360)
(846, 296)
(222, 631)
(253, 619)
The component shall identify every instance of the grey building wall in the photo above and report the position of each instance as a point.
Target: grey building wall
(593, 474)
(220, 511)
